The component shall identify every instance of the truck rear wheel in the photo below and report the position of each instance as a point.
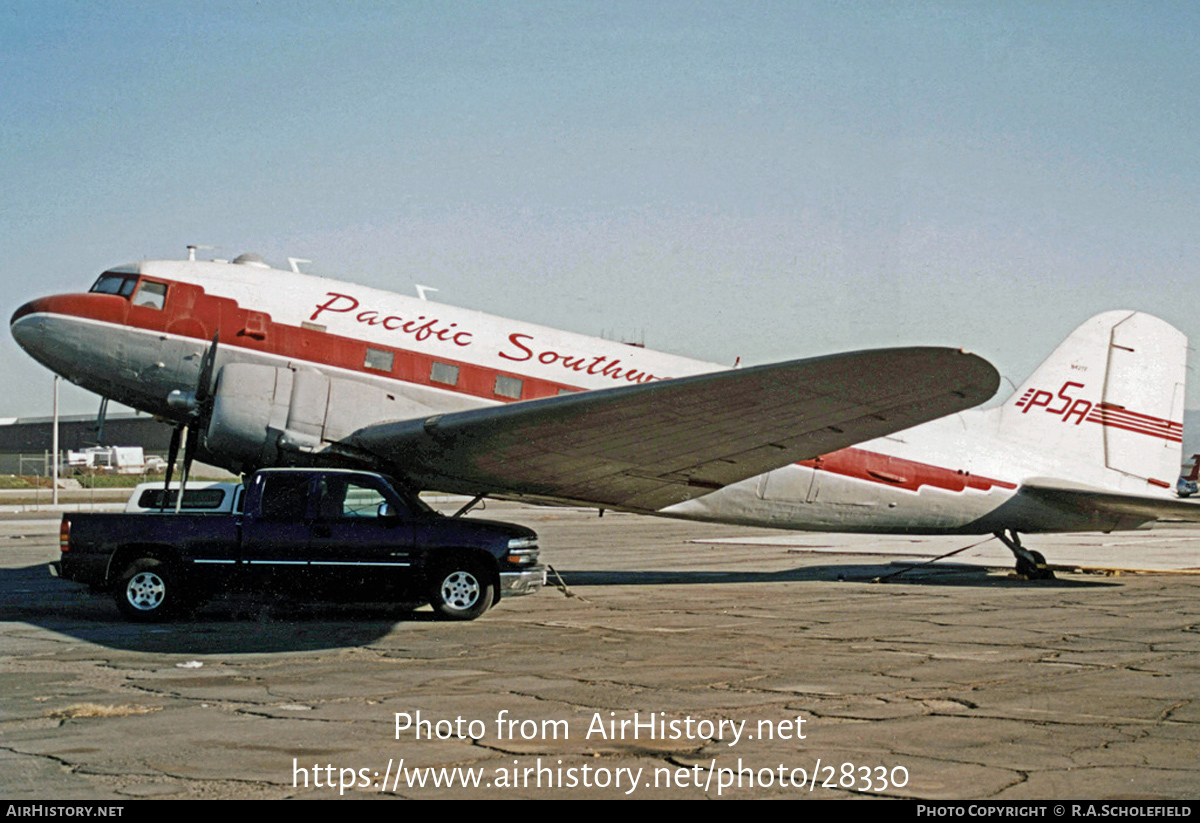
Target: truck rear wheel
(148, 591)
(460, 590)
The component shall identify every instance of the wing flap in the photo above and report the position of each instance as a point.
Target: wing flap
(652, 445)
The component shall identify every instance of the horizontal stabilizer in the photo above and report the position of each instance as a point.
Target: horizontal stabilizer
(648, 446)
(1101, 504)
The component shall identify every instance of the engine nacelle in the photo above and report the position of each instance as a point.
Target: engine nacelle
(267, 416)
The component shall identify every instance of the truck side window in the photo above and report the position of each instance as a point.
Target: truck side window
(285, 498)
(363, 500)
(332, 493)
(350, 497)
(195, 499)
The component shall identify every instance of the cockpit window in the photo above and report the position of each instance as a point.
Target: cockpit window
(151, 294)
(112, 282)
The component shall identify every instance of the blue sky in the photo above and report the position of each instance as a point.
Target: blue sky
(723, 180)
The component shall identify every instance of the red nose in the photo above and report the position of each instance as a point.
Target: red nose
(32, 307)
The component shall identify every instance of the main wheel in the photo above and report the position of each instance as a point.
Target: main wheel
(460, 591)
(148, 591)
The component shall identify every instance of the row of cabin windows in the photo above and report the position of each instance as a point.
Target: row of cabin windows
(504, 386)
(445, 373)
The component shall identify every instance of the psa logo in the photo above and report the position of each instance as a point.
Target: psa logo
(1076, 410)
(1069, 406)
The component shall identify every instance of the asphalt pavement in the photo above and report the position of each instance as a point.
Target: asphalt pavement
(674, 660)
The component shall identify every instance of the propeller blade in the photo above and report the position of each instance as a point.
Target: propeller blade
(172, 454)
(100, 418)
(189, 454)
(204, 383)
(194, 404)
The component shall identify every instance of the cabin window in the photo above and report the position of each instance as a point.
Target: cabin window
(381, 360)
(150, 294)
(444, 373)
(509, 386)
(112, 282)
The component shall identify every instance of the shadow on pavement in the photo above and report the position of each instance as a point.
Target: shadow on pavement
(941, 574)
(234, 624)
(245, 624)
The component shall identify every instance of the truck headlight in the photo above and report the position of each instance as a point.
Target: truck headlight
(522, 551)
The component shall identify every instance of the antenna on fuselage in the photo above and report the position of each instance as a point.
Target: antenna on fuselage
(293, 261)
(192, 252)
(422, 290)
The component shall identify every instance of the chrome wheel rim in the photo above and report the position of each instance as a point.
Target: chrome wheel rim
(145, 591)
(460, 590)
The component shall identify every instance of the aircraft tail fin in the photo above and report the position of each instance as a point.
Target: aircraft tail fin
(1106, 408)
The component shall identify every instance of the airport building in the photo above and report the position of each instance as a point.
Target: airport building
(26, 443)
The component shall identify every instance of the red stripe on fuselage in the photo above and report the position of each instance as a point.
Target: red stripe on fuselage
(896, 472)
(190, 312)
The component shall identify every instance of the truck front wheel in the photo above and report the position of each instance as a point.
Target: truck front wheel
(460, 591)
(148, 591)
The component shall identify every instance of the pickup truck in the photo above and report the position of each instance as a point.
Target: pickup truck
(315, 533)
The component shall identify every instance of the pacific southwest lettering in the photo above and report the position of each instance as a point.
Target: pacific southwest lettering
(516, 350)
(344, 303)
(576, 363)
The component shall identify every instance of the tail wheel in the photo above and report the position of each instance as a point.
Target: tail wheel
(1036, 570)
(1030, 564)
(148, 591)
(460, 590)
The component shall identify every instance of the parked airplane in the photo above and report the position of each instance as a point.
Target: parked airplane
(266, 367)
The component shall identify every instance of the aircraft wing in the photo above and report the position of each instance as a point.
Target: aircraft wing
(652, 445)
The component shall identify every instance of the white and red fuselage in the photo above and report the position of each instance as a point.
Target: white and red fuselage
(1103, 423)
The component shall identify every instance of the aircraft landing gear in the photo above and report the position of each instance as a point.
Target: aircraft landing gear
(1030, 564)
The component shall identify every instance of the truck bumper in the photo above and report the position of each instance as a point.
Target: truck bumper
(526, 581)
